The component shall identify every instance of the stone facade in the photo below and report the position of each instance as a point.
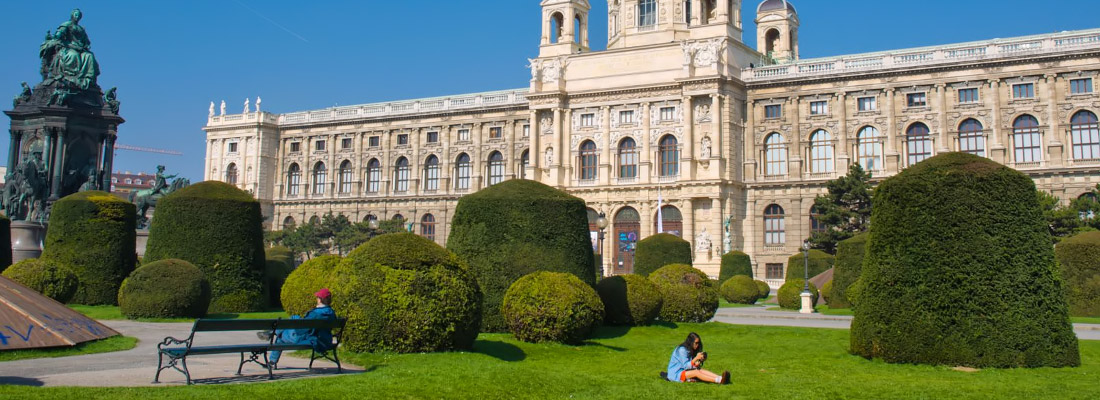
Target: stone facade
(679, 112)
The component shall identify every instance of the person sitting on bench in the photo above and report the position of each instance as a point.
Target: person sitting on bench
(686, 364)
(320, 339)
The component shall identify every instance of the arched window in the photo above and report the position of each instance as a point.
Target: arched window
(557, 26)
(346, 177)
(401, 175)
(288, 223)
(231, 174)
(771, 41)
(816, 223)
(626, 231)
(671, 221)
(1026, 140)
(821, 152)
(869, 144)
(293, 179)
(496, 168)
(427, 227)
(369, 218)
(314, 220)
(589, 161)
(775, 155)
(462, 172)
(775, 230)
(398, 217)
(971, 139)
(431, 174)
(668, 155)
(918, 143)
(647, 13)
(374, 176)
(320, 178)
(1085, 135)
(628, 158)
(524, 162)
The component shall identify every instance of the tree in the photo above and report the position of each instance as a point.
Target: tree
(1080, 215)
(845, 210)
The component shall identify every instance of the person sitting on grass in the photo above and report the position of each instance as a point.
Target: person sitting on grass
(320, 339)
(686, 364)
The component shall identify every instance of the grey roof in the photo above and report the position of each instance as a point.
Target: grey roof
(769, 5)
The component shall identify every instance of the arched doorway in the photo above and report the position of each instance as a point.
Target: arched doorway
(672, 222)
(628, 225)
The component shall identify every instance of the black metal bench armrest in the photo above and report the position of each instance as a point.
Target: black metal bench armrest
(169, 341)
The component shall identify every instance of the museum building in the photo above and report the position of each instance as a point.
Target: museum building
(680, 120)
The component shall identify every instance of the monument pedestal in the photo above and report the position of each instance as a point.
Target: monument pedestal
(27, 239)
(142, 240)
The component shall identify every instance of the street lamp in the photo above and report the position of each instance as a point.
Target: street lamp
(601, 223)
(372, 223)
(807, 302)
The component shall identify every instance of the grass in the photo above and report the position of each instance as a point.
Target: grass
(1086, 320)
(112, 313)
(114, 343)
(620, 363)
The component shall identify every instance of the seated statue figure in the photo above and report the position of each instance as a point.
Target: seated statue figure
(67, 55)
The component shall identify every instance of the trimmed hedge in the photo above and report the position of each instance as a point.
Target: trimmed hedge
(629, 300)
(960, 271)
(849, 263)
(280, 253)
(219, 229)
(689, 296)
(404, 293)
(854, 292)
(551, 307)
(5, 242)
(517, 227)
(827, 291)
(45, 276)
(657, 251)
(734, 263)
(165, 289)
(765, 290)
(93, 234)
(790, 294)
(275, 274)
(318, 273)
(740, 289)
(1079, 258)
(820, 261)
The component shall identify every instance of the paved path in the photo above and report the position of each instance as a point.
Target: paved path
(760, 315)
(137, 366)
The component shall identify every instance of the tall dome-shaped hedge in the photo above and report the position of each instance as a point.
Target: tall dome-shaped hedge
(849, 263)
(1079, 258)
(218, 228)
(820, 261)
(660, 250)
(93, 234)
(517, 227)
(734, 263)
(959, 271)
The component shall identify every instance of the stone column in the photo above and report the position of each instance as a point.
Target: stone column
(58, 167)
(567, 147)
(687, 156)
(555, 167)
(996, 148)
(47, 152)
(108, 161)
(945, 144)
(647, 161)
(717, 148)
(841, 152)
(890, 156)
(795, 154)
(717, 217)
(687, 208)
(749, 138)
(510, 154)
(1055, 150)
(13, 149)
(534, 171)
(607, 156)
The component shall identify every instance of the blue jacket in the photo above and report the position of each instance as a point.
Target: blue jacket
(679, 362)
(321, 338)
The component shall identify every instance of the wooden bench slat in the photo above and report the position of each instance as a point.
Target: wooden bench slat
(223, 325)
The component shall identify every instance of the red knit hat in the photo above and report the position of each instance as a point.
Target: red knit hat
(323, 294)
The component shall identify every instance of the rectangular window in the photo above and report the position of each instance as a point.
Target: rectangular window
(774, 271)
(345, 143)
(319, 145)
(773, 111)
(374, 141)
(1080, 86)
(233, 147)
(1028, 145)
(295, 147)
(668, 113)
(588, 120)
(402, 139)
(1023, 91)
(916, 100)
(866, 103)
(463, 135)
(819, 107)
(433, 137)
(527, 131)
(647, 13)
(968, 95)
(626, 117)
(496, 132)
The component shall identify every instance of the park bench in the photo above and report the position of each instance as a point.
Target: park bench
(177, 350)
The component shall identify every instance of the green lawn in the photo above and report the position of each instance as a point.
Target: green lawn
(113, 313)
(766, 363)
(1086, 320)
(114, 343)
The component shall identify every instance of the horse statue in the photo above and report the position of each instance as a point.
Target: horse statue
(146, 198)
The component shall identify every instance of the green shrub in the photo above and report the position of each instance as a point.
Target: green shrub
(740, 289)
(45, 276)
(313, 275)
(5, 242)
(734, 263)
(820, 261)
(765, 290)
(855, 291)
(281, 253)
(517, 227)
(660, 250)
(689, 296)
(218, 228)
(93, 234)
(1079, 258)
(849, 263)
(551, 307)
(404, 293)
(960, 271)
(827, 291)
(790, 294)
(165, 289)
(629, 300)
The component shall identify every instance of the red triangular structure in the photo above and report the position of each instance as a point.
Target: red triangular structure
(29, 320)
(821, 278)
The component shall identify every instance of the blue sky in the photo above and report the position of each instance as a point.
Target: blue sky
(171, 58)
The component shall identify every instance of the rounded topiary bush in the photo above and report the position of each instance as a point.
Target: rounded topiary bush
(5, 242)
(734, 263)
(959, 271)
(313, 275)
(660, 250)
(689, 296)
(218, 228)
(849, 263)
(790, 294)
(765, 290)
(827, 291)
(93, 234)
(740, 289)
(551, 307)
(404, 293)
(629, 300)
(820, 261)
(45, 276)
(517, 227)
(1079, 258)
(854, 292)
(165, 289)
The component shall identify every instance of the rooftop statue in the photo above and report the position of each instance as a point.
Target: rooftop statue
(67, 56)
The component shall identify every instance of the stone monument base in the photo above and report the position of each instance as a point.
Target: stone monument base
(142, 240)
(27, 239)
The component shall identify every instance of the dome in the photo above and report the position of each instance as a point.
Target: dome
(769, 5)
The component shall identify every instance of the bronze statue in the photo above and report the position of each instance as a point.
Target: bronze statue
(25, 194)
(146, 198)
(111, 98)
(67, 55)
(24, 95)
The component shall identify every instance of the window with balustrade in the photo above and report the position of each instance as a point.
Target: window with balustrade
(773, 271)
(1085, 136)
(345, 174)
(374, 176)
(869, 148)
(775, 155)
(401, 175)
(1027, 140)
(427, 227)
(668, 157)
(775, 229)
(496, 168)
(320, 178)
(821, 152)
(293, 179)
(589, 161)
(918, 143)
(431, 174)
(971, 137)
(628, 158)
(463, 169)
